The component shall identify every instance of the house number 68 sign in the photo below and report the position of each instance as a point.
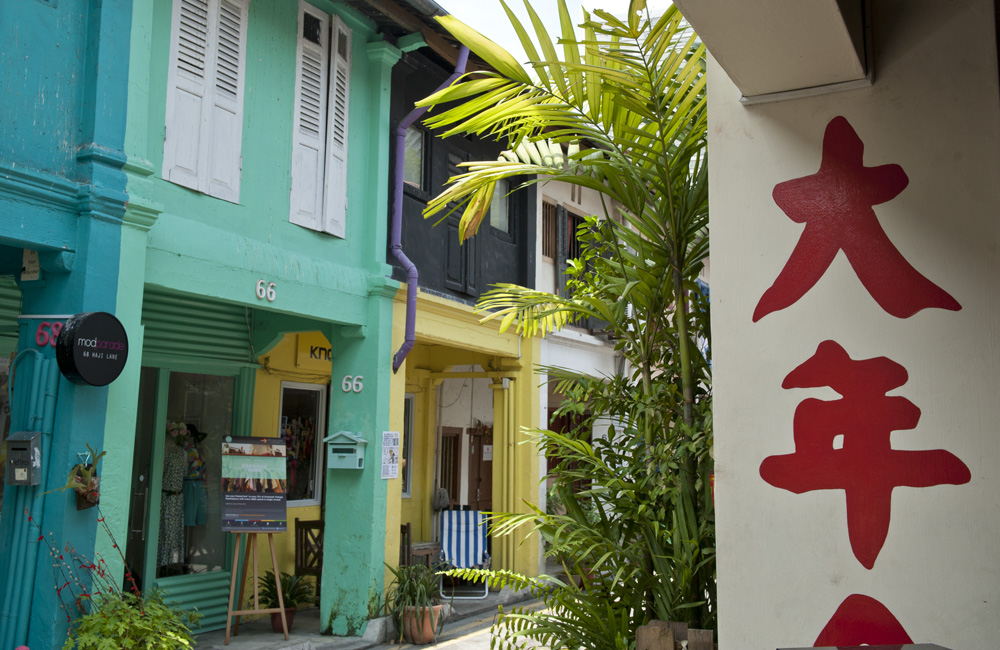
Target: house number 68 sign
(352, 384)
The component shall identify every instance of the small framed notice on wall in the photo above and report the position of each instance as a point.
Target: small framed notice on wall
(390, 454)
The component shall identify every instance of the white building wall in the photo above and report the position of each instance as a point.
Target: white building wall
(785, 562)
(461, 402)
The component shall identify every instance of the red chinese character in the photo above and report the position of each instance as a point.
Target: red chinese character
(836, 203)
(866, 467)
(862, 619)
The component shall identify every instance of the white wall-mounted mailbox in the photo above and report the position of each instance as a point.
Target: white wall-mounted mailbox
(345, 450)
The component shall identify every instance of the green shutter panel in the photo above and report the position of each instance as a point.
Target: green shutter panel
(10, 307)
(181, 325)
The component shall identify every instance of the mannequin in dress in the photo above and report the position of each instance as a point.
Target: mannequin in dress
(170, 552)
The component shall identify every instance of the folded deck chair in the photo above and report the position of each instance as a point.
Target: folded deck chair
(463, 545)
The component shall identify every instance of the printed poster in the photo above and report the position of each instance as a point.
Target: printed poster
(254, 485)
(390, 454)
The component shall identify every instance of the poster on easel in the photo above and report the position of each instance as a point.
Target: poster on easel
(254, 485)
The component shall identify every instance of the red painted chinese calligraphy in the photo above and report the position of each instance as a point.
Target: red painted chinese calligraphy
(862, 620)
(836, 203)
(867, 468)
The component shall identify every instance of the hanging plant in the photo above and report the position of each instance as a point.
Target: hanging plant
(83, 480)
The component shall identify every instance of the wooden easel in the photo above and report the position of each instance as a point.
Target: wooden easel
(252, 542)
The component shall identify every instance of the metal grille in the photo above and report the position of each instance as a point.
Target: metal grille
(228, 59)
(339, 81)
(10, 307)
(549, 216)
(311, 105)
(193, 37)
(450, 465)
(575, 221)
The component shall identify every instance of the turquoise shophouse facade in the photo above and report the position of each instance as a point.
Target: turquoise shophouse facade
(215, 174)
(257, 146)
(62, 201)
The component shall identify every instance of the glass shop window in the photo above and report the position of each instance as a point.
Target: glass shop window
(199, 416)
(303, 426)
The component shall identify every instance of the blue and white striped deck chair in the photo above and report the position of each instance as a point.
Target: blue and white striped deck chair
(463, 544)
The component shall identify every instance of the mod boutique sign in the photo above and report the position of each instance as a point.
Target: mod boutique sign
(92, 348)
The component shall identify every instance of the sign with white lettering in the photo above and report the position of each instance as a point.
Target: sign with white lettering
(92, 348)
(254, 485)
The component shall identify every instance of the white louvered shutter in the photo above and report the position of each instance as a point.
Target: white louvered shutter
(335, 209)
(225, 134)
(310, 115)
(187, 82)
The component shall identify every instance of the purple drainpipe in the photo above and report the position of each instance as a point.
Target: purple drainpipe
(396, 227)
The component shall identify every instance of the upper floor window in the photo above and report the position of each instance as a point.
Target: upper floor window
(499, 214)
(413, 162)
(204, 121)
(322, 98)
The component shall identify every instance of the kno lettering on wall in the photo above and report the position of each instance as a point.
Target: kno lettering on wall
(321, 353)
(313, 351)
(836, 203)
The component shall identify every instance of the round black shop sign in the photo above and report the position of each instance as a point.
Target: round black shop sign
(92, 348)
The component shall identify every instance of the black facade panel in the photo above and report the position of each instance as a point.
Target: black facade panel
(460, 271)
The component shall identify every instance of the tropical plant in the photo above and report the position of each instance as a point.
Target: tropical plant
(102, 614)
(413, 587)
(295, 590)
(623, 112)
(127, 620)
(83, 480)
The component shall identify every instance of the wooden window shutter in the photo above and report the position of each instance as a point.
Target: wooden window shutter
(187, 81)
(226, 119)
(204, 120)
(310, 117)
(335, 208)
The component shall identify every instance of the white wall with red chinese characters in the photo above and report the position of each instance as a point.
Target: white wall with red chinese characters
(785, 561)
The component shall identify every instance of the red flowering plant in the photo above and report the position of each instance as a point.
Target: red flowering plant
(102, 615)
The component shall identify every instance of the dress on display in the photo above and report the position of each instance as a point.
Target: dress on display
(171, 546)
(195, 490)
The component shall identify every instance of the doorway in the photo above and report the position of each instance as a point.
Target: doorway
(175, 539)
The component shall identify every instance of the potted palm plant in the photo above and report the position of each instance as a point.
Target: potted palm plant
(294, 592)
(412, 601)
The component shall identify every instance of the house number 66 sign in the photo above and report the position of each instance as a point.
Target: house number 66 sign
(352, 384)
(265, 289)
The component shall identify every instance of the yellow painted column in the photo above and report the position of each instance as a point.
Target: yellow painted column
(397, 393)
(524, 471)
(503, 547)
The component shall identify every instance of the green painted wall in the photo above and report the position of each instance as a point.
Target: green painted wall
(206, 245)
(189, 242)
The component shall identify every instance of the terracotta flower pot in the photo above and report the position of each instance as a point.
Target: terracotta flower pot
(276, 619)
(420, 624)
